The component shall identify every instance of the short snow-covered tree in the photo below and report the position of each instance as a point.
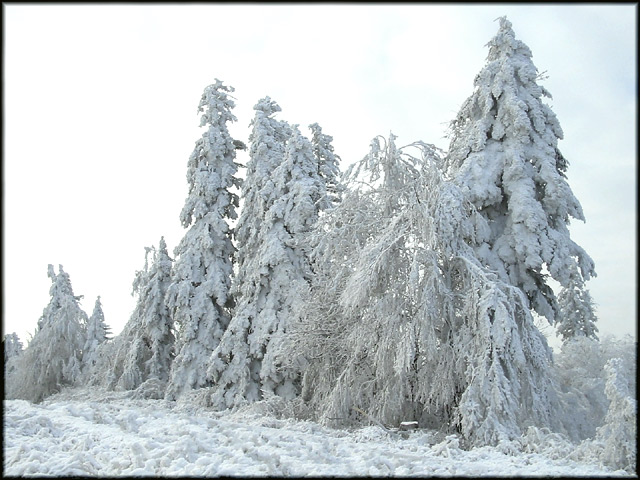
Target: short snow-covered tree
(282, 193)
(97, 333)
(53, 357)
(577, 317)
(144, 349)
(328, 166)
(198, 297)
(12, 346)
(504, 155)
(617, 437)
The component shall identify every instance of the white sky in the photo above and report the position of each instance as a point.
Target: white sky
(100, 117)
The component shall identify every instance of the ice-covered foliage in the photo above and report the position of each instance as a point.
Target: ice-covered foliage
(198, 297)
(97, 333)
(356, 330)
(577, 310)
(403, 322)
(328, 166)
(580, 376)
(12, 346)
(282, 196)
(504, 155)
(144, 348)
(53, 357)
(617, 437)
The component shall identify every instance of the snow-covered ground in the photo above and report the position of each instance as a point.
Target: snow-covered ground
(88, 434)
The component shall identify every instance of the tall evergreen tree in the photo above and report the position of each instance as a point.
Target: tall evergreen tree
(504, 155)
(144, 348)
(198, 297)
(97, 333)
(282, 196)
(53, 357)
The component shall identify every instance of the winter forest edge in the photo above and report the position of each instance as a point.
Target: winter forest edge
(409, 287)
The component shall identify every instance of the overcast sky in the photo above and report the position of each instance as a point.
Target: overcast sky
(100, 117)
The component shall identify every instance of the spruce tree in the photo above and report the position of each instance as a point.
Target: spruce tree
(328, 166)
(97, 333)
(144, 348)
(282, 196)
(577, 310)
(504, 155)
(53, 357)
(198, 298)
(12, 346)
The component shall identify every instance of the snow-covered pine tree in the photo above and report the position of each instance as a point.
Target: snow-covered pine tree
(328, 166)
(154, 316)
(53, 357)
(144, 349)
(616, 440)
(12, 346)
(198, 297)
(577, 310)
(97, 333)
(504, 154)
(283, 193)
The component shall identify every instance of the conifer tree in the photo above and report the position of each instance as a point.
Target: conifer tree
(12, 346)
(282, 197)
(13, 349)
(577, 310)
(328, 166)
(504, 154)
(53, 357)
(144, 349)
(198, 298)
(97, 333)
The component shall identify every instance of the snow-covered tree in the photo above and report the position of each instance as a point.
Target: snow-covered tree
(283, 194)
(617, 438)
(356, 329)
(504, 154)
(198, 297)
(580, 375)
(53, 357)
(144, 349)
(577, 310)
(12, 346)
(403, 322)
(328, 166)
(97, 333)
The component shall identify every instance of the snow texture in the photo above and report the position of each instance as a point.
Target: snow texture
(94, 433)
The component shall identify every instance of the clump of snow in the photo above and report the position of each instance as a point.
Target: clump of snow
(92, 432)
